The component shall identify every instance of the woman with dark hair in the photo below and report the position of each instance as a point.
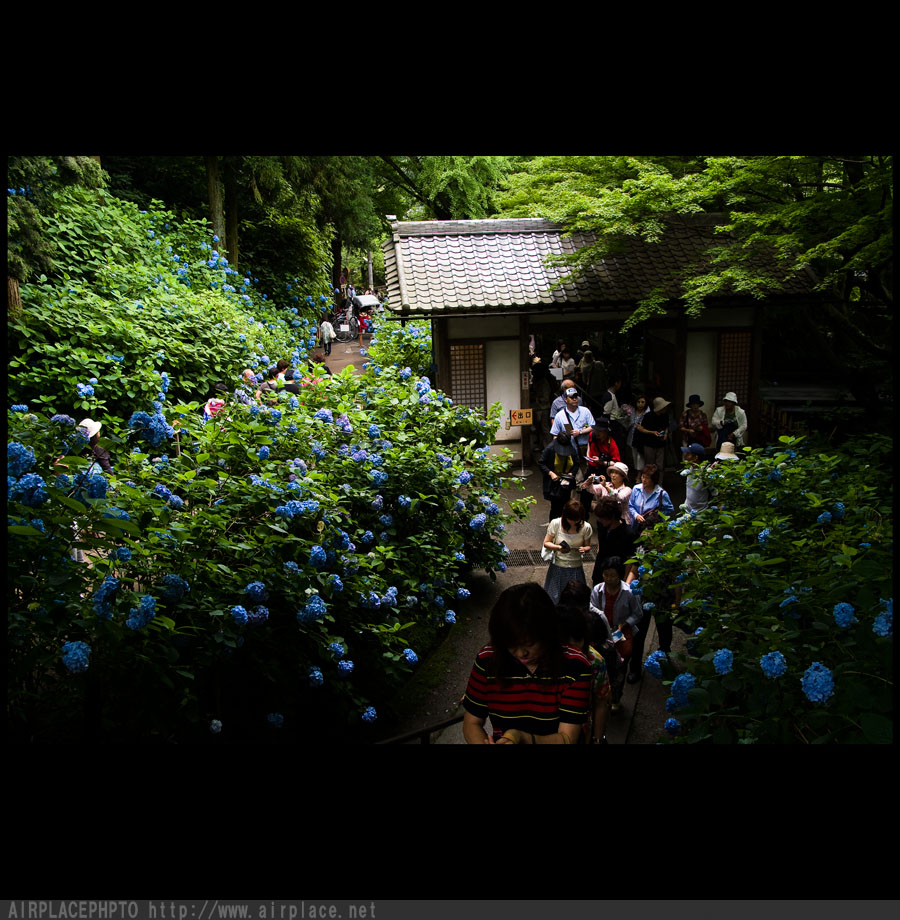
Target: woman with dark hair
(568, 539)
(559, 464)
(533, 686)
(649, 500)
(652, 432)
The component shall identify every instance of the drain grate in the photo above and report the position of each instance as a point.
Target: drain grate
(532, 558)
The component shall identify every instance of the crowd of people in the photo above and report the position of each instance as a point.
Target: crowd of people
(561, 654)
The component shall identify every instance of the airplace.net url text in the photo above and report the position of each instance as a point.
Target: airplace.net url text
(189, 910)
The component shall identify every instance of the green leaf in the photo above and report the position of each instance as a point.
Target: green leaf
(876, 728)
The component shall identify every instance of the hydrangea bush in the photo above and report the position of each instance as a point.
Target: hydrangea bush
(406, 347)
(786, 586)
(145, 299)
(208, 561)
(294, 559)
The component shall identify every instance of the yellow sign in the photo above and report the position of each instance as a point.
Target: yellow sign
(520, 417)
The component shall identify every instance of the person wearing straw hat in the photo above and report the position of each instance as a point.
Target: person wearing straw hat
(615, 484)
(653, 431)
(99, 454)
(729, 421)
(726, 453)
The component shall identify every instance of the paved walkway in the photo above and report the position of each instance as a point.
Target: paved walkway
(434, 693)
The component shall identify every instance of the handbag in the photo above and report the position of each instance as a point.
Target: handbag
(548, 555)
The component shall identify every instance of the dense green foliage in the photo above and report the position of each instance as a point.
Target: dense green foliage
(787, 581)
(827, 218)
(284, 559)
(403, 346)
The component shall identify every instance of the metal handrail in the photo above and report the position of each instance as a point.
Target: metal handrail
(423, 735)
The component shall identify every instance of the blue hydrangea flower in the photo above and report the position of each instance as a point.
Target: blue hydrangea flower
(104, 596)
(292, 567)
(141, 615)
(818, 683)
(275, 720)
(76, 656)
(345, 666)
(374, 431)
(317, 557)
(315, 608)
(215, 726)
(336, 582)
(263, 453)
(316, 679)
(367, 537)
(175, 588)
(324, 415)
(65, 420)
(29, 490)
(464, 477)
(844, 615)
(723, 661)
(404, 501)
(240, 615)
(671, 705)
(123, 554)
(884, 622)
(764, 535)
(369, 714)
(652, 664)
(256, 592)
(463, 593)
(673, 726)
(478, 522)
(680, 687)
(824, 517)
(410, 656)
(258, 615)
(450, 617)
(838, 510)
(337, 650)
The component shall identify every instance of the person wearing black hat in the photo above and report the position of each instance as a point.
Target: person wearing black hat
(694, 424)
(559, 464)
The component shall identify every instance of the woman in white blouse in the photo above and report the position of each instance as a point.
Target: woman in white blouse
(615, 484)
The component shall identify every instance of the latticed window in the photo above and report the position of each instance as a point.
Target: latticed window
(467, 379)
(735, 365)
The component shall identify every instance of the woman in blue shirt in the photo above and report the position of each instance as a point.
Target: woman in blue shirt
(649, 499)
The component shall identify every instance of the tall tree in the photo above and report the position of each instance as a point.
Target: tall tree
(448, 187)
(828, 215)
(29, 181)
(215, 198)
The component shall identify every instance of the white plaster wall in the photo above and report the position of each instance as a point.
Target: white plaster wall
(502, 375)
(700, 369)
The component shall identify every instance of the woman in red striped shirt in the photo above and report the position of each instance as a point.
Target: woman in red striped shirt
(533, 686)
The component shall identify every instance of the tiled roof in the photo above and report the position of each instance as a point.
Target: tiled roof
(463, 266)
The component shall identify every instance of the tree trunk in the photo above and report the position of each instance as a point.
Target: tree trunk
(231, 212)
(371, 276)
(13, 297)
(336, 261)
(216, 211)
